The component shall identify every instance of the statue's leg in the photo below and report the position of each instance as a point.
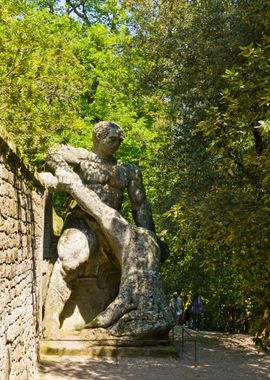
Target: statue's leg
(74, 248)
(58, 293)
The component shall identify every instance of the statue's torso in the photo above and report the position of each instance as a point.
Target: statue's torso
(108, 180)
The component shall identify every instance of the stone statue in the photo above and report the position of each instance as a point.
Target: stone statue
(96, 228)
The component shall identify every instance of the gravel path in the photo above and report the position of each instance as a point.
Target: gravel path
(219, 357)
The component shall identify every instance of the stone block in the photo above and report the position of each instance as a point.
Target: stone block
(4, 240)
(114, 348)
(4, 172)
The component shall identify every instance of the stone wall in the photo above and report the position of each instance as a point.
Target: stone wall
(21, 242)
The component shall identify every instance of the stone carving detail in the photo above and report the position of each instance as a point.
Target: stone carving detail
(98, 243)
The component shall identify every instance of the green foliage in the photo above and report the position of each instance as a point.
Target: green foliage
(208, 63)
(106, 12)
(240, 135)
(59, 78)
(41, 79)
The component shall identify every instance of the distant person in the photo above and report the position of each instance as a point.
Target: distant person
(196, 312)
(188, 315)
(176, 307)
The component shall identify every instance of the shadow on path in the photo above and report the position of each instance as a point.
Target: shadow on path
(220, 356)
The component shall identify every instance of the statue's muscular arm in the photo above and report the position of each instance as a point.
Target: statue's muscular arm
(140, 206)
(65, 155)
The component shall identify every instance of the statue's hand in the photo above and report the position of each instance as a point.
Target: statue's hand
(64, 179)
(65, 182)
(49, 180)
(67, 179)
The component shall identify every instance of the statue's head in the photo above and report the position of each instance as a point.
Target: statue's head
(104, 128)
(107, 137)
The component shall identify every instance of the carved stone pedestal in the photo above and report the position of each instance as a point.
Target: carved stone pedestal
(102, 345)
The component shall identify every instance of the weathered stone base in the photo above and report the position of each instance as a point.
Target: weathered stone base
(50, 349)
(96, 343)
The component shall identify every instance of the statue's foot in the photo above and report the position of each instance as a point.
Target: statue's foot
(112, 314)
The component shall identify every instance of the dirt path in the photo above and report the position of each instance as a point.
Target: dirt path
(219, 357)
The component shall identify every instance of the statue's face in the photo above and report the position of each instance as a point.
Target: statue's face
(110, 143)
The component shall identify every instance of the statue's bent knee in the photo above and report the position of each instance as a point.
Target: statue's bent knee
(74, 247)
